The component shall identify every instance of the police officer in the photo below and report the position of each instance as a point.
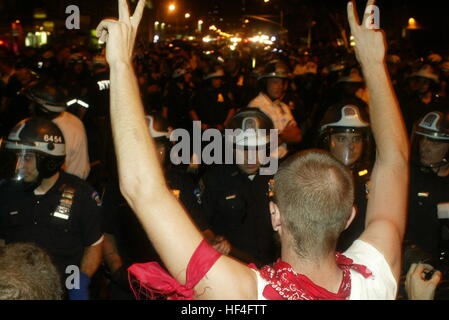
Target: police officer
(176, 99)
(274, 84)
(75, 79)
(213, 105)
(235, 198)
(345, 132)
(50, 101)
(422, 97)
(125, 240)
(44, 205)
(429, 183)
(97, 122)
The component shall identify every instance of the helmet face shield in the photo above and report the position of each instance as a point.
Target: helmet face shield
(347, 146)
(432, 152)
(19, 166)
(430, 141)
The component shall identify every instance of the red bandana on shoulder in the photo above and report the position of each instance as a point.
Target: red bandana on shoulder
(150, 281)
(285, 284)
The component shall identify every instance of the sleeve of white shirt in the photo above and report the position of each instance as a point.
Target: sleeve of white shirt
(382, 285)
(77, 155)
(78, 163)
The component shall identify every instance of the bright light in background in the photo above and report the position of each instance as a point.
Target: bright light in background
(262, 39)
(246, 21)
(200, 22)
(412, 24)
(187, 15)
(155, 39)
(266, 1)
(171, 7)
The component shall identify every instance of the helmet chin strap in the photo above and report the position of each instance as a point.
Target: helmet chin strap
(23, 185)
(437, 166)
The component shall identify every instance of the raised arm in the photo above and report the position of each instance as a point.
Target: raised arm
(142, 183)
(387, 202)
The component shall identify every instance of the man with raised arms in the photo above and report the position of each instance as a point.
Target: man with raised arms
(313, 196)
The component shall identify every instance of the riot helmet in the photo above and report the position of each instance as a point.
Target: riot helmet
(248, 132)
(274, 79)
(344, 131)
(160, 131)
(34, 150)
(48, 100)
(430, 140)
(424, 80)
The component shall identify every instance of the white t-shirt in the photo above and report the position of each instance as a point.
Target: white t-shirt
(381, 286)
(279, 113)
(77, 156)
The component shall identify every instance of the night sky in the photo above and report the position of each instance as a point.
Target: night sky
(228, 14)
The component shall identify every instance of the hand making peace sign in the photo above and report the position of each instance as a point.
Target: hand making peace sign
(370, 43)
(120, 34)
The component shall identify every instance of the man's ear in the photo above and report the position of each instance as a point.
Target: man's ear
(275, 217)
(351, 217)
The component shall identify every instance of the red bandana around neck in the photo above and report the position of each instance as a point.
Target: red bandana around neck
(285, 284)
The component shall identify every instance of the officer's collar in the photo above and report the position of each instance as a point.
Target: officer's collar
(56, 186)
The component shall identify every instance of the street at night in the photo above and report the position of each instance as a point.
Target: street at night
(224, 150)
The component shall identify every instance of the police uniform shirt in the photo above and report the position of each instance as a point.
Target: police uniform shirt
(120, 221)
(176, 99)
(238, 208)
(212, 105)
(278, 112)
(98, 95)
(76, 145)
(427, 190)
(361, 176)
(26, 217)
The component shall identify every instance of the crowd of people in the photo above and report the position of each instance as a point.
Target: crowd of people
(358, 208)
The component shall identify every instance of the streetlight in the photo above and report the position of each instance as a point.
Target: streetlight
(412, 24)
(200, 25)
(171, 7)
(187, 15)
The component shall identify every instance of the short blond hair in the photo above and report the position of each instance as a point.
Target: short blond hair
(315, 195)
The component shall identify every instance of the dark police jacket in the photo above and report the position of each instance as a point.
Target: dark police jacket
(63, 221)
(238, 208)
(427, 190)
(132, 241)
(361, 175)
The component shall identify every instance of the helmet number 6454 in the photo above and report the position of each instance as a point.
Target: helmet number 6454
(50, 138)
